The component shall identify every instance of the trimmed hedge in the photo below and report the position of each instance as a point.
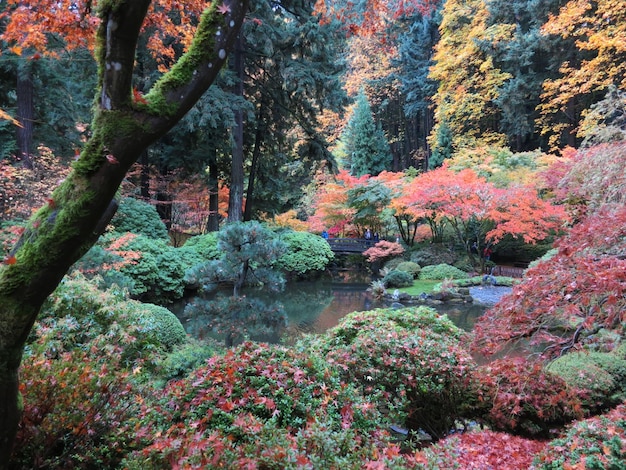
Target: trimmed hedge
(439, 272)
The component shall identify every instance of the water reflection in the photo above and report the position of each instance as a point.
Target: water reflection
(314, 307)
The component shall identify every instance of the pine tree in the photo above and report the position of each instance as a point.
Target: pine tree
(366, 145)
(249, 251)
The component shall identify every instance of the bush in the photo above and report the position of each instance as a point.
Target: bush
(255, 394)
(480, 450)
(184, 359)
(80, 298)
(78, 313)
(151, 324)
(440, 272)
(158, 274)
(522, 398)
(433, 254)
(139, 217)
(203, 247)
(393, 263)
(409, 267)
(265, 445)
(601, 375)
(397, 278)
(595, 443)
(407, 361)
(620, 350)
(79, 408)
(306, 253)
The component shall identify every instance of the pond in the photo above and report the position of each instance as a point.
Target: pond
(314, 307)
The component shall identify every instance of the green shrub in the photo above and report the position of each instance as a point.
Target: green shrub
(139, 217)
(409, 267)
(620, 350)
(433, 254)
(306, 253)
(522, 398)
(152, 325)
(393, 263)
(81, 298)
(594, 443)
(158, 274)
(397, 278)
(185, 358)
(479, 280)
(441, 272)
(98, 264)
(261, 444)
(201, 248)
(548, 255)
(601, 375)
(406, 362)
(78, 313)
(410, 318)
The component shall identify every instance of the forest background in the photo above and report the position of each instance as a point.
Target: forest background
(503, 89)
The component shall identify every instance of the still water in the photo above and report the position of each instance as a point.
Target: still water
(314, 307)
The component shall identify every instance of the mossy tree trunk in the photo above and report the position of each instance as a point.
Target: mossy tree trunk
(59, 233)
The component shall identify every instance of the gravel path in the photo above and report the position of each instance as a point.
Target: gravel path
(488, 295)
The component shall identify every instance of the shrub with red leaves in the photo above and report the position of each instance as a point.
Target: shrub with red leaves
(523, 398)
(480, 451)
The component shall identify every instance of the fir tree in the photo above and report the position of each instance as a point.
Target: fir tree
(365, 142)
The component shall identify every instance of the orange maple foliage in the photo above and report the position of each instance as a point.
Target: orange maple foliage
(372, 16)
(463, 198)
(331, 205)
(30, 25)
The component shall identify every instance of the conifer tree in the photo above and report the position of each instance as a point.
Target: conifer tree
(365, 143)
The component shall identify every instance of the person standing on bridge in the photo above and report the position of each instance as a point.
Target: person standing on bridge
(368, 234)
(325, 235)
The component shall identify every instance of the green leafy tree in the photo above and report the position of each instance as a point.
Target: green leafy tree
(369, 201)
(366, 146)
(123, 125)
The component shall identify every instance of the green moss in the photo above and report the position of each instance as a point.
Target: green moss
(600, 374)
(108, 127)
(183, 70)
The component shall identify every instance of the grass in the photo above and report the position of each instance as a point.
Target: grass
(420, 287)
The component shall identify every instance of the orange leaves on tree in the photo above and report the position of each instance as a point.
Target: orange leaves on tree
(331, 204)
(383, 250)
(138, 97)
(464, 198)
(30, 24)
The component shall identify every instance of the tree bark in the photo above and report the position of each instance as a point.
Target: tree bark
(59, 233)
(256, 153)
(213, 221)
(235, 197)
(25, 112)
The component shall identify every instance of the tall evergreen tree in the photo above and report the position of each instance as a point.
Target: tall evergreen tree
(365, 142)
(415, 49)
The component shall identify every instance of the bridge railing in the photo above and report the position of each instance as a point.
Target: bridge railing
(349, 245)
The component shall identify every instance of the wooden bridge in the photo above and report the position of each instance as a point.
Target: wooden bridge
(349, 245)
